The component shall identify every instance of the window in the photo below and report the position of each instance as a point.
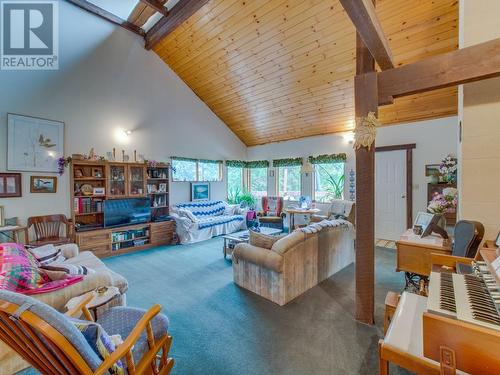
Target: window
(184, 169)
(328, 181)
(209, 171)
(258, 182)
(289, 182)
(234, 183)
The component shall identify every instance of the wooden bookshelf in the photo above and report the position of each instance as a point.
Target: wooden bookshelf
(118, 181)
(158, 189)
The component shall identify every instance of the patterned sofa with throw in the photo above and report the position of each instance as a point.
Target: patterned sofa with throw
(199, 221)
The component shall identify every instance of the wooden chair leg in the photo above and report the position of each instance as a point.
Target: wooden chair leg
(382, 363)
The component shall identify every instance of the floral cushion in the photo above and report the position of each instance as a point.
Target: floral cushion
(99, 340)
(19, 272)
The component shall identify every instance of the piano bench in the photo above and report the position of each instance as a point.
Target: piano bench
(391, 302)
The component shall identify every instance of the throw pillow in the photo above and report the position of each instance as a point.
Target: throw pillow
(47, 254)
(230, 209)
(69, 269)
(186, 213)
(99, 340)
(265, 241)
(18, 269)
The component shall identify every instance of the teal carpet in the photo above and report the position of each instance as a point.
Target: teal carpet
(219, 328)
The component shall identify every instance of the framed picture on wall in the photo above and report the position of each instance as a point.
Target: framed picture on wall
(43, 184)
(432, 169)
(200, 191)
(33, 144)
(10, 185)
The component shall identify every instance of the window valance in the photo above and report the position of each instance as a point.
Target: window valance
(258, 164)
(207, 161)
(289, 162)
(328, 158)
(248, 164)
(236, 163)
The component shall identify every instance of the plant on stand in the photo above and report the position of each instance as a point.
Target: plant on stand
(448, 169)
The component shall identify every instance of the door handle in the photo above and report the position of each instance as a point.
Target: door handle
(403, 196)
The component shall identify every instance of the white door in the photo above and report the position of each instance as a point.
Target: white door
(390, 194)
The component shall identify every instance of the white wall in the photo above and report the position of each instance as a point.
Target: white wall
(434, 139)
(107, 81)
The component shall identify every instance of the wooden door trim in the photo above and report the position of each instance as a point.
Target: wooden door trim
(409, 176)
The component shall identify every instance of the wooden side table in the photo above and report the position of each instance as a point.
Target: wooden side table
(298, 211)
(413, 256)
(15, 229)
(99, 299)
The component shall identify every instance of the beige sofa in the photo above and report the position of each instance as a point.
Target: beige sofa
(10, 362)
(295, 263)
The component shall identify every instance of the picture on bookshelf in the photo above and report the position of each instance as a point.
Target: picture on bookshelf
(97, 172)
(99, 191)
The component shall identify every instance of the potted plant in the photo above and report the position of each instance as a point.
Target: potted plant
(445, 202)
(448, 169)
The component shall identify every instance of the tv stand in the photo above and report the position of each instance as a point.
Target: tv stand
(121, 240)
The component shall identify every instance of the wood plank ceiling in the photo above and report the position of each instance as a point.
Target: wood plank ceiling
(283, 69)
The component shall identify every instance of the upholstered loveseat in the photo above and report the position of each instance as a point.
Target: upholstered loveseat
(199, 221)
(10, 362)
(296, 262)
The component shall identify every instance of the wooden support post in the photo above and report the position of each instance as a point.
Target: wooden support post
(366, 100)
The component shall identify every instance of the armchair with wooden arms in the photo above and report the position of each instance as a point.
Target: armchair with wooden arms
(51, 343)
(48, 230)
(272, 214)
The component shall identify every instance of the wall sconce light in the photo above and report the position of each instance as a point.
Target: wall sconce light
(127, 132)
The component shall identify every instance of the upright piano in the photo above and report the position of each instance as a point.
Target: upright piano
(456, 329)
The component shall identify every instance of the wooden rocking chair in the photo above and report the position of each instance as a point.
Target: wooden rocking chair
(50, 342)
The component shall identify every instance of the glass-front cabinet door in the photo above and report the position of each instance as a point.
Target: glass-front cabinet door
(137, 180)
(117, 180)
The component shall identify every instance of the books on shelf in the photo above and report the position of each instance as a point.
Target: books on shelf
(87, 205)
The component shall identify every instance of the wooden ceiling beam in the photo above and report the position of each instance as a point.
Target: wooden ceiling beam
(157, 6)
(142, 13)
(108, 16)
(364, 17)
(465, 65)
(179, 13)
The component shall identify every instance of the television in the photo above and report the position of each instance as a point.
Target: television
(131, 211)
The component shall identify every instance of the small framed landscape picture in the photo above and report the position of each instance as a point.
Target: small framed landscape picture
(200, 191)
(432, 169)
(43, 184)
(98, 191)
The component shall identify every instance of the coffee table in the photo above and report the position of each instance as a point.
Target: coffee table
(231, 240)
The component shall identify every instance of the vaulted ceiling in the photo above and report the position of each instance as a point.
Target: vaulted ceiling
(283, 69)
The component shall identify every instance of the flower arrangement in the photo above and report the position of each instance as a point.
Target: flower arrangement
(445, 202)
(62, 163)
(448, 168)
